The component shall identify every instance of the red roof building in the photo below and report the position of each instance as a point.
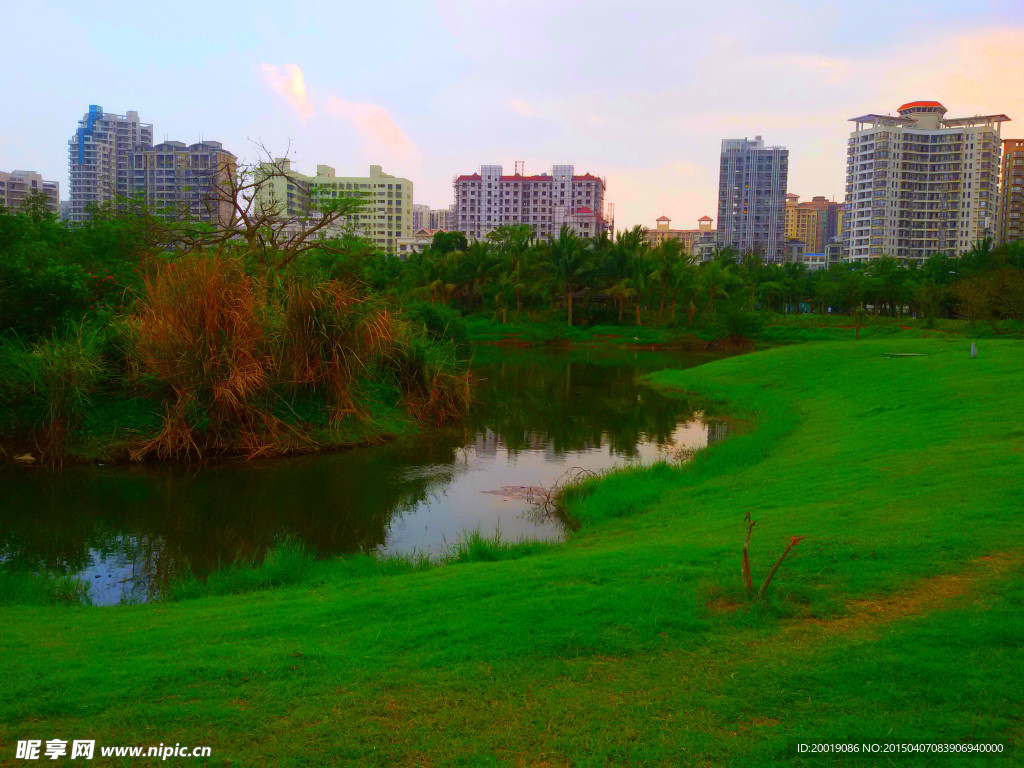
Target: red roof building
(490, 199)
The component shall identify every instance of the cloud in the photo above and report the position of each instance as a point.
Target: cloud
(519, 107)
(376, 128)
(290, 83)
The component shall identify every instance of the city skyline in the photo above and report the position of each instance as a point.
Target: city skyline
(640, 95)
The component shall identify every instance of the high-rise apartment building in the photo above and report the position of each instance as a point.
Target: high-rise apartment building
(1011, 192)
(488, 199)
(420, 217)
(834, 224)
(17, 185)
(173, 176)
(385, 217)
(442, 218)
(919, 183)
(814, 222)
(752, 198)
(802, 223)
(98, 157)
(425, 217)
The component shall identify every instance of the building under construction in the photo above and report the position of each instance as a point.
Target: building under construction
(487, 199)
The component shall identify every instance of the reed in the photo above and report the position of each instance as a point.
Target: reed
(437, 388)
(333, 332)
(199, 332)
(45, 389)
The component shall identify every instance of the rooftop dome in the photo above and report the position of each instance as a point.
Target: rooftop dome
(930, 106)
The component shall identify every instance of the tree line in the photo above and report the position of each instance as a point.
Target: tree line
(624, 279)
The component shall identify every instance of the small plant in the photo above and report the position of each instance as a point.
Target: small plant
(547, 501)
(860, 318)
(748, 585)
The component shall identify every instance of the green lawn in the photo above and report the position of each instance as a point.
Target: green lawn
(897, 619)
(775, 329)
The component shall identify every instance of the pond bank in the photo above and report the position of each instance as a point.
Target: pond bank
(538, 416)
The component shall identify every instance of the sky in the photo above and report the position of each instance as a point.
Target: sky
(638, 92)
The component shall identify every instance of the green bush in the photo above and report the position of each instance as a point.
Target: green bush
(46, 388)
(442, 323)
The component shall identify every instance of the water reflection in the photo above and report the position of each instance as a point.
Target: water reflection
(127, 530)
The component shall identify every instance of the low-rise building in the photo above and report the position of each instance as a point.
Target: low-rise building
(17, 185)
(794, 252)
(815, 261)
(699, 242)
(419, 240)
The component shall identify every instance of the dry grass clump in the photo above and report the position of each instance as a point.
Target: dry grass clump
(436, 388)
(223, 348)
(332, 332)
(199, 332)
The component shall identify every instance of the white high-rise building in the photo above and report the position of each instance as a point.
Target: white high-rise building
(919, 183)
(420, 217)
(98, 157)
(488, 199)
(752, 198)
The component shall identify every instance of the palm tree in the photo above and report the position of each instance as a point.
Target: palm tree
(515, 244)
(717, 279)
(568, 262)
(507, 288)
(667, 261)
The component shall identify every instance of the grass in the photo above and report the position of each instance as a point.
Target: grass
(23, 587)
(483, 329)
(290, 563)
(777, 329)
(898, 618)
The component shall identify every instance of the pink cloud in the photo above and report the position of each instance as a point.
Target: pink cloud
(519, 107)
(290, 83)
(376, 128)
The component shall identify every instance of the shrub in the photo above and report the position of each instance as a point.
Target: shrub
(436, 387)
(45, 389)
(442, 323)
(332, 332)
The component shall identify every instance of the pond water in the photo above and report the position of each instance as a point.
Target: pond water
(540, 414)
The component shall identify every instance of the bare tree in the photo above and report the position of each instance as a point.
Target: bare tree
(245, 202)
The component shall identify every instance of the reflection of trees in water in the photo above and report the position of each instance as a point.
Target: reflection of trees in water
(159, 521)
(574, 405)
(164, 520)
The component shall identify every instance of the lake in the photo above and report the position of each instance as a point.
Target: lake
(539, 415)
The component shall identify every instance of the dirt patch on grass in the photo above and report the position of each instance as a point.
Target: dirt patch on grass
(925, 596)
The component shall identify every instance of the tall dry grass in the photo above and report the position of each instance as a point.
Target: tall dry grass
(199, 331)
(332, 333)
(437, 387)
(228, 354)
